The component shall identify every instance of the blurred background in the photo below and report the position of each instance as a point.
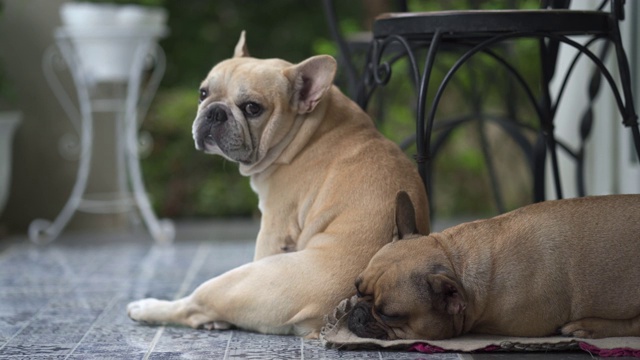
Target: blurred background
(184, 184)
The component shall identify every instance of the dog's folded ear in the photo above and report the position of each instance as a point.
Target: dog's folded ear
(405, 216)
(310, 79)
(447, 294)
(241, 47)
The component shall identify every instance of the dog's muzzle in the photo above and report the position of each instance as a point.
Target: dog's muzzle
(214, 116)
(362, 323)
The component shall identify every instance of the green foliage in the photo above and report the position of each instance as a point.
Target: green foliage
(181, 180)
(204, 32)
(184, 182)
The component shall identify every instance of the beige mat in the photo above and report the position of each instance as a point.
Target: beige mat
(336, 334)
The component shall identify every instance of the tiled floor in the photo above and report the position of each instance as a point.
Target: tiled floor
(67, 300)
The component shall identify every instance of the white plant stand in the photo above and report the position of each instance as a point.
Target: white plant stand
(129, 108)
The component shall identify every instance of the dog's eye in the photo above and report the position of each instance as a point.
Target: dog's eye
(386, 317)
(203, 95)
(252, 109)
(389, 319)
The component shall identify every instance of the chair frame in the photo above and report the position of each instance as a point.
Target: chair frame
(387, 49)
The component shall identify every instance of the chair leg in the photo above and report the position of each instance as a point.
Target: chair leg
(345, 56)
(548, 62)
(539, 169)
(423, 138)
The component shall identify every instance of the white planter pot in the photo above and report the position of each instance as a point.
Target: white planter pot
(9, 121)
(106, 36)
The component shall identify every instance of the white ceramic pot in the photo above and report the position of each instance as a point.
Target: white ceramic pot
(9, 121)
(106, 36)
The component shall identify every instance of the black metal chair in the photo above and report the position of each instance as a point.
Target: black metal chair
(407, 35)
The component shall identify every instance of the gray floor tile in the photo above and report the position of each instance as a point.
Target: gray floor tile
(245, 345)
(109, 356)
(67, 300)
(190, 340)
(41, 349)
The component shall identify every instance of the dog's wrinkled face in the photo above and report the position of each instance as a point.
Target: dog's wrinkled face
(237, 99)
(247, 105)
(408, 290)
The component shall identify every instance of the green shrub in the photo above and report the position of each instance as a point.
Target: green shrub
(182, 181)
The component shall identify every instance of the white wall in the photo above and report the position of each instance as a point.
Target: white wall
(611, 165)
(629, 167)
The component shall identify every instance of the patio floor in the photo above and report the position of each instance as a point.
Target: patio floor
(67, 300)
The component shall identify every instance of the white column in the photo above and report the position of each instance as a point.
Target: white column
(609, 166)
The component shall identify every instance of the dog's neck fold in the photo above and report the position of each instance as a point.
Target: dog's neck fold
(303, 128)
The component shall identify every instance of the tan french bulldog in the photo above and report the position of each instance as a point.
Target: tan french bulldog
(565, 266)
(326, 181)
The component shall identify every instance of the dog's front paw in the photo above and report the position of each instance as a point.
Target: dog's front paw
(579, 329)
(143, 310)
(216, 325)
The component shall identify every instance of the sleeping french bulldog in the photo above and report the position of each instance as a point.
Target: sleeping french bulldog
(566, 266)
(326, 181)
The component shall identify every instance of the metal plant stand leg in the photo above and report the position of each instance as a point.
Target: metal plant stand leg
(162, 231)
(135, 105)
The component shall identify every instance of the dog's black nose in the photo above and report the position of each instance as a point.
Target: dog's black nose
(217, 114)
(363, 324)
(359, 317)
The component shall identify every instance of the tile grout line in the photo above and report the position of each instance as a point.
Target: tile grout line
(226, 351)
(196, 264)
(3, 254)
(147, 269)
(60, 258)
(26, 325)
(154, 342)
(111, 304)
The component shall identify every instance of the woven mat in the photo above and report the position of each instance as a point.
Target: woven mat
(336, 335)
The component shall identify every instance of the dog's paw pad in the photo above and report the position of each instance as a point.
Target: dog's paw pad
(140, 310)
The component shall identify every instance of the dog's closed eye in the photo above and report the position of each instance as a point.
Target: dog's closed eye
(387, 318)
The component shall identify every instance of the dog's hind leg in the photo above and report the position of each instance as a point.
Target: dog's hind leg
(184, 311)
(594, 328)
(279, 294)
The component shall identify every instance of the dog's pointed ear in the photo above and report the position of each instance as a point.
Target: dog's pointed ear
(405, 215)
(447, 294)
(241, 47)
(310, 79)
